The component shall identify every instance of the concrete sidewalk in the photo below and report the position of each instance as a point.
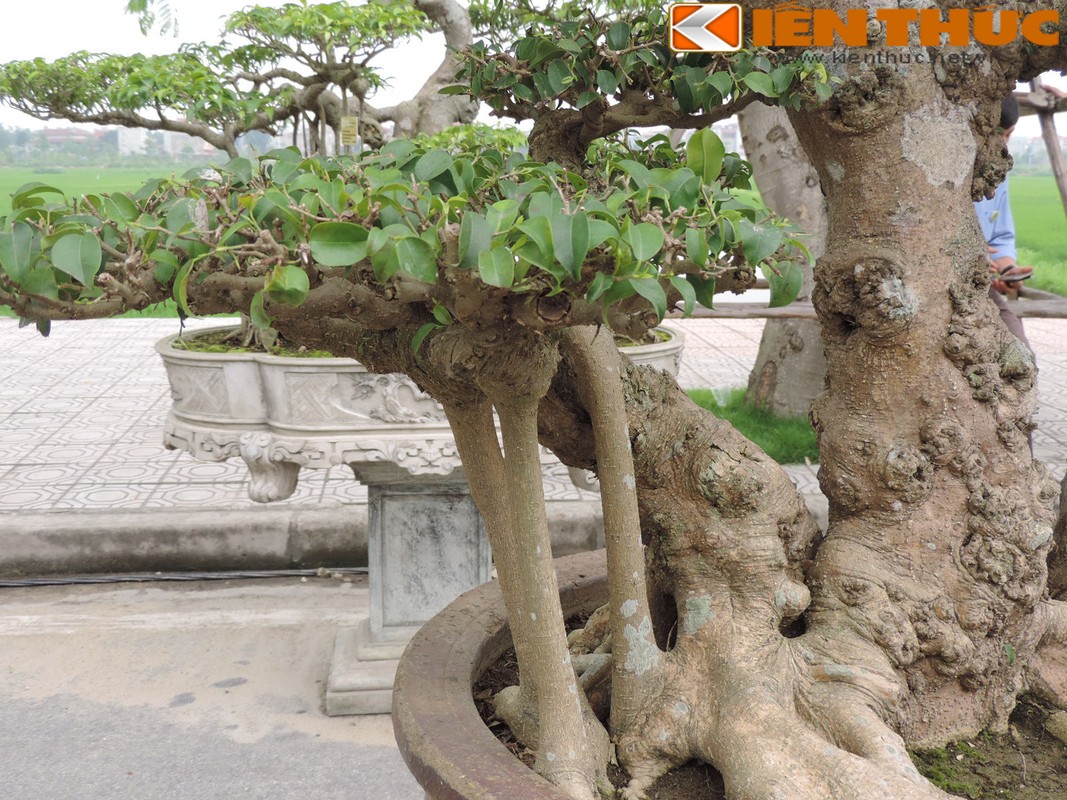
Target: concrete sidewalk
(205, 691)
(85, 485)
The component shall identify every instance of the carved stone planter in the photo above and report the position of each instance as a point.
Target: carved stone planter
(444, 742)
(282, 414)
(426, 540)
(666, 355)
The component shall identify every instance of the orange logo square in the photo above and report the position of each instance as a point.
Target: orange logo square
(705, 27)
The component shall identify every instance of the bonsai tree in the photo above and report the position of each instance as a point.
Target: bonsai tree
(800, 666)
(299, 66)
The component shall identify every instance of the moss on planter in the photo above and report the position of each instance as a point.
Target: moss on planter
(217, 342)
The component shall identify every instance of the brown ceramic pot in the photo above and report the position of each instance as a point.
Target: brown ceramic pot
(447, 747)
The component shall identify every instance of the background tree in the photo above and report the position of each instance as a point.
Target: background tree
(790, 365)
(801, 667)
(299, 66)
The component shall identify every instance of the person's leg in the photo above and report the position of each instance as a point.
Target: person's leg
(1013, 323)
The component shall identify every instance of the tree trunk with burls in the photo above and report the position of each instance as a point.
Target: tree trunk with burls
(924, 610)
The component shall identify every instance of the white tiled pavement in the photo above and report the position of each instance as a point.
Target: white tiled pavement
(81, 416)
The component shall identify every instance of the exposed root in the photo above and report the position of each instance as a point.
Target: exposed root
(1048, 669)
(520, 717)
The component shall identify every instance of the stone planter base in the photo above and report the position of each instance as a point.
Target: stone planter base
(444, 742)
(426, 540)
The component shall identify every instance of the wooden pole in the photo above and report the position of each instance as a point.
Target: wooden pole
(1052, 142)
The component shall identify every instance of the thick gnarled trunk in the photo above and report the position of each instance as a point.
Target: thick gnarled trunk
(940, 520)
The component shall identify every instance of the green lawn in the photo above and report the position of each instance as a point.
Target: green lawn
(1040, 230)
(788, 440)
(80, 180)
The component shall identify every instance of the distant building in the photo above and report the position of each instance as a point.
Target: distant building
(730, 133)
(138, 141)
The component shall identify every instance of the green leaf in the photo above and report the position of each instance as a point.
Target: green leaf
(606, 80)
(166, 265)
(786, 281)
(421, 334)
(704, 289)
(288, 284)
(497, 266)
(686, 290)
(1009, 650)
(257, 313)
(761, 83)
(41, 281)
(559, 76)
(599, 232)
(338, 244)
(758, 241)
(25, 194)
(696, 246)
(645, 239)
(721, 81)
(640, 174)
(417, 259)
(440, 313)
(180, 215)
(432, 164)
(241, 168)
(540, 232)
(585, 98)
(475, 235)
(704, 154)
(501, 215)
(181, 288)
(600, 284)
(121, 208)
(15, 251)
(570, 241)
(79, 255)
(618, 36)
(650, 289)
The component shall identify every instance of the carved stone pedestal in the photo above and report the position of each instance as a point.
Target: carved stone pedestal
(427, 543)
(441, 553)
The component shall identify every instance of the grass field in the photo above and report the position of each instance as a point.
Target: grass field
(788, 440)
(80, 180)
(1040, 230)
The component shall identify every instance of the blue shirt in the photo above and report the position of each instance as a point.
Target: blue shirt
(994, 217)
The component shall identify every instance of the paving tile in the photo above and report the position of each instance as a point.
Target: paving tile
(35, 475)
(142, 472)
(189, 470)
(102, 496)
(35, 497)
(116, 407)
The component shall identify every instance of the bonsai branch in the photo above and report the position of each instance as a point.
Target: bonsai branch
(598, 367)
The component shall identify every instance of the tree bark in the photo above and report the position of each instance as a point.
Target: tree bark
(933, 567)
(790, 367)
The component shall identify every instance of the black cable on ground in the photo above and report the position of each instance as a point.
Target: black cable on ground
(163, 577)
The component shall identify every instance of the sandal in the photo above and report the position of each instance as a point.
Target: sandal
(1013, 273)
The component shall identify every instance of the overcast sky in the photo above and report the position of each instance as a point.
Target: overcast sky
(54, 28)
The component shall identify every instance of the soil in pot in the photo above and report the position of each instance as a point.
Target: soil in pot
(226, 342)
(1028, 763)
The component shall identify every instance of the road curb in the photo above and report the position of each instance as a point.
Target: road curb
(96, 542)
